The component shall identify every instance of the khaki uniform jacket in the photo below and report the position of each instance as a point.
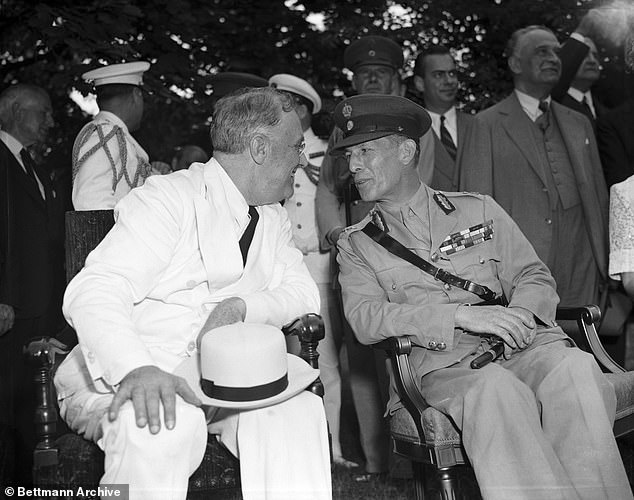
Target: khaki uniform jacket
(385, 296)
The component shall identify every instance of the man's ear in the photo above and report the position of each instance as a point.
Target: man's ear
(354, 82)
(419, 83)
(515, 65)
(301, 110)
(407, 151)
(259, 148)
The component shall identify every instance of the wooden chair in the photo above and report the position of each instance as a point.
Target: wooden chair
(431, 441)
(66, 460)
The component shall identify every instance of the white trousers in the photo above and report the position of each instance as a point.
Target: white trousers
(283, 449)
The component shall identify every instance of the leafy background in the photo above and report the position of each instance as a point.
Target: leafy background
(187, 41)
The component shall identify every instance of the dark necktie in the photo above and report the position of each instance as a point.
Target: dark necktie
(587, 109)
(247, 236)
(542, 120)
(445, 138)
(29, 166)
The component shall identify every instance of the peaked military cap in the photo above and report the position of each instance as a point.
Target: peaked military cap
(229, 81)
(373, 49)
(367, 117)
(127, 73)
(296, 85)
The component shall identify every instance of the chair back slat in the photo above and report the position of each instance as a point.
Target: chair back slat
(84, 230)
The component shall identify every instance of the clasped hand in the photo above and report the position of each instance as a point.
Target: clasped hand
(514, 325)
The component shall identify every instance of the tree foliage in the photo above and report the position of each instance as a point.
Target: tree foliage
(187, 41)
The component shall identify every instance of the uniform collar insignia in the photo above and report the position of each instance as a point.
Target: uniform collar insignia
(443, 202)
(377, 219)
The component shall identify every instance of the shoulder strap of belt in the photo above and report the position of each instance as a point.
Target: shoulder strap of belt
(396, 248)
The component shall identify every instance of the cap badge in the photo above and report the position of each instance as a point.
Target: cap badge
(349, 125)
(347, 111)
(371, 53)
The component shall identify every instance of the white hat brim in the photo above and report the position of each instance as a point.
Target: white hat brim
(300, 376)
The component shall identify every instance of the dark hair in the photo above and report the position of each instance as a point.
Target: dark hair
(431, 50)
(111, 91)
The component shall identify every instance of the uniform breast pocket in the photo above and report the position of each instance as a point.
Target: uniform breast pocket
(401, 284)
(478, 263)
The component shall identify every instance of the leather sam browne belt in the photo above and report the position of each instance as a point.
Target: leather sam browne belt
(396, 248)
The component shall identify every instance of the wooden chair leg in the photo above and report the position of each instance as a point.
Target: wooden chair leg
(419, 479)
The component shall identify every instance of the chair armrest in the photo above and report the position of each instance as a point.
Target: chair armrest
(587, 317)
(398, 350)
(42, 352)
(309, 329)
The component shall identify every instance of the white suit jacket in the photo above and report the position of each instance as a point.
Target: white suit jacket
(172, 255)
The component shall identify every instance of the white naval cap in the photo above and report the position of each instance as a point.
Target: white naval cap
(129, 73)
(290, 83)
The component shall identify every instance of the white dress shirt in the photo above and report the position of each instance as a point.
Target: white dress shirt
(530, 105)
(451, 123)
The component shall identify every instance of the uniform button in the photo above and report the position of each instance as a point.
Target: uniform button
(393, 286)
(442, 346)
(482, 260)
(299, 203)
(431, 344)
(447, 286)
(549, 221)
(106, 375)
(91, 357)
(191, 347)
(545, 190)
(297, 185)
(191, 283)
(434, 257)
(355, 203)
(299, 226)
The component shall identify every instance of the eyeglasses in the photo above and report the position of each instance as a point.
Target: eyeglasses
(300, 148)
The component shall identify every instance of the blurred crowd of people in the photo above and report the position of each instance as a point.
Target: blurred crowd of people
(551, 154)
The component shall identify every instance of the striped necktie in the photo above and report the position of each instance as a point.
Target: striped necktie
(445, 138)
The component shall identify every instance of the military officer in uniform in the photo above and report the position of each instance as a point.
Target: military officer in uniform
(522, 415)
(107, 161)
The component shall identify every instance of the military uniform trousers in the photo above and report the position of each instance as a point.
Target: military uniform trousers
(531, 425)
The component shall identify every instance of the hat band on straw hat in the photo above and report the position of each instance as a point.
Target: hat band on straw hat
(253, 393)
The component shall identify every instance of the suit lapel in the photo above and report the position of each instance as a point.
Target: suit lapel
(28, 185)
(443, 166)
(518, 127)
(570, 127)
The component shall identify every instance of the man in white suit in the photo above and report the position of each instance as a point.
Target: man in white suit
(176, 265)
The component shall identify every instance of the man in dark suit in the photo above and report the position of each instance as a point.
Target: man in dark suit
(539, 160)
(436, 77)
(31, 257)
(615, 135)
(580, 70)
